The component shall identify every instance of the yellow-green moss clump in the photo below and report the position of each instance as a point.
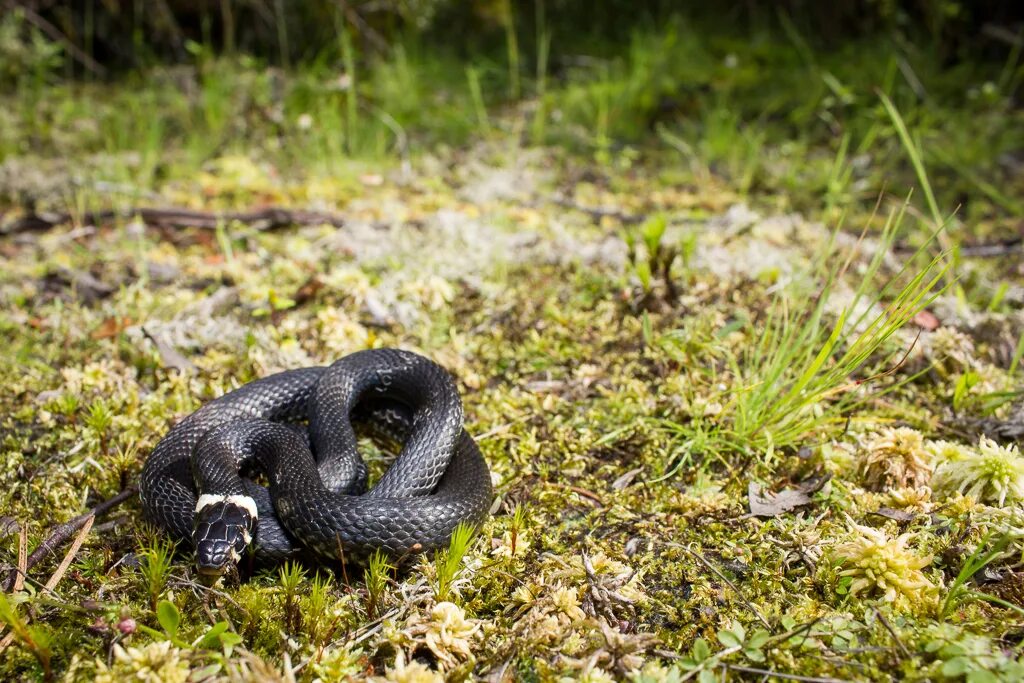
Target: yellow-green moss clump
(884, 567)
(895, 458)
(158, 662)
(990, 474)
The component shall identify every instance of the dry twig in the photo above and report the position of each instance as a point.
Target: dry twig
(270, 218)
(62, 532)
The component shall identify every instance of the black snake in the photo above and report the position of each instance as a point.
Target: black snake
(296, 429)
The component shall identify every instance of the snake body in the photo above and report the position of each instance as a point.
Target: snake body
(296, 429)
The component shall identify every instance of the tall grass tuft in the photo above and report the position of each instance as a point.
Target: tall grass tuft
(316, 607)
(801, 376)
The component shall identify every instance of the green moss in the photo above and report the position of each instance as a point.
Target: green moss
(604, 404)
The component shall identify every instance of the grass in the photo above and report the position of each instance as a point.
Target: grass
(701, 90)
(805, 371)
(292, 577)
(35, 639)
(809, 365)
(988, 550)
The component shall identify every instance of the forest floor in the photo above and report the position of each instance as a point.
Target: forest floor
(729, 441)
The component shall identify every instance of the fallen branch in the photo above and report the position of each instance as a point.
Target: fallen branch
(750, 606)
(271, 218)
(1005, 247)
(597, 214)
(766, 673)
(62, 532)
(170, 356)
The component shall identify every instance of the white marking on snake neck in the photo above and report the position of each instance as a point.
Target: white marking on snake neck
(244, 502)
(206, 500)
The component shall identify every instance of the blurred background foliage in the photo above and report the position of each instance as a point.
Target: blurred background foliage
(779, 101)
(133, 34)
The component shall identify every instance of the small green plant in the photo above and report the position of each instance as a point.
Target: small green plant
(291, 576)
(155, 565)
(913, 149)
(378, 576)
(35, 639)
(702, 662)
(169, 618)
(970, 657)
(348, 52)
(736, 637)
(99, 419)
(316, 608)
(508, 22)
(987, 551)
(477, 95)
(68, 405)
(219, 638)
(652, 258)
(1018, 353)
(517, 525)
(449, 561)
(538, 126)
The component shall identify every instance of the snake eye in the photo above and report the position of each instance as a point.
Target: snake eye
(223, 530)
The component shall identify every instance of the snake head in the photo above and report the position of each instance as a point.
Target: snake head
(223, 529)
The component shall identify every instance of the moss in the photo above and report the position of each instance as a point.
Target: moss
(605, 415)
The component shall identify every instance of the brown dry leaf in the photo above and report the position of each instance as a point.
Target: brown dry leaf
(111, 327)
(926, 320)
(308, 290)
(901, 516)
(767, 504)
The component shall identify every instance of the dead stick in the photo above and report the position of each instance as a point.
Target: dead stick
(69, 556)
(270, 218)
(62, 532)
(19, 579)
(723, 577)
(778, 674)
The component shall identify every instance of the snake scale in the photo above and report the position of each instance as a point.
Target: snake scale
(296, 429)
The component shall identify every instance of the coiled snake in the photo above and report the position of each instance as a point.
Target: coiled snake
(296, 429)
